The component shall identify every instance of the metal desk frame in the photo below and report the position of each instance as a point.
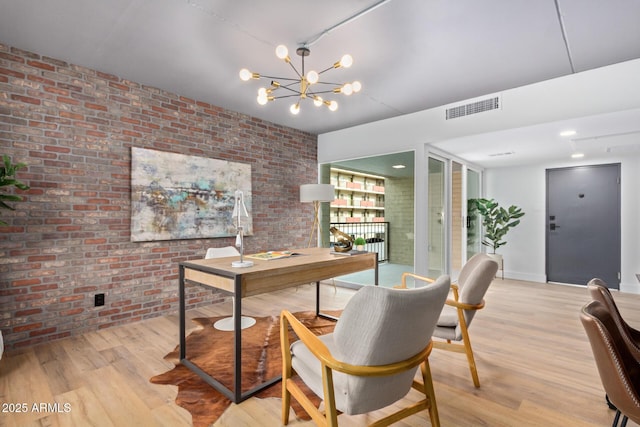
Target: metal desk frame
(238, 276)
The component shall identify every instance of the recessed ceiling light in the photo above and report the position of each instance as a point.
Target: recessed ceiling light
(577, 155)
(568, 133)
(398, 166)
(506, 153)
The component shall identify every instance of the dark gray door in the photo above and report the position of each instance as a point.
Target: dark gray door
(583, 224)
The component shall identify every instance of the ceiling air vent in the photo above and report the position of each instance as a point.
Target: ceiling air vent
(473, 108)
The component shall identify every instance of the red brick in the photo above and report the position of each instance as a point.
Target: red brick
(41, 65)
(28, 327)
(11, 73)
(93, 106)
(25, 282)
(29, 312)
(72, 312)
(46, 331)
(27, 99)
(71, 298)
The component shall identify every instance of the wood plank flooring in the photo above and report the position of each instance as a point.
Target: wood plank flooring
(534, 362)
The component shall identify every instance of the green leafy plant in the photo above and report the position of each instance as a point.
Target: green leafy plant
(7, 179)
(497, 221)
(359, 241)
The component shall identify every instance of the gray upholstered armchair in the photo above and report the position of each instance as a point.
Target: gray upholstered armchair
(370, 359)
(457, 314)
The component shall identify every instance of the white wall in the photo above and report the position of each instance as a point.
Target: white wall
(599, 91)
(525, 252)
(612, 88)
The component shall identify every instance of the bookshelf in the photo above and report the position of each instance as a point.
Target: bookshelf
(359, 197)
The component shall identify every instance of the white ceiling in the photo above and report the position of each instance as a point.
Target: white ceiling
(410, 55)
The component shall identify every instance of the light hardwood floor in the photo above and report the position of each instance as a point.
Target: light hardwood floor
(534, 362)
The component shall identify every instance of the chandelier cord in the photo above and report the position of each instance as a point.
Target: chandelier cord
(345, 21)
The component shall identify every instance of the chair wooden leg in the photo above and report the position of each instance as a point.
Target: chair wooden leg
(469, 353)
(430, 393)
(286, 402)
(287, 370)
(331, 413)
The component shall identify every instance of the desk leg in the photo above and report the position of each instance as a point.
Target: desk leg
(183, 340)
(375, 278)
(317, 299)
(236, 395)
(318, 314)
(237, 341)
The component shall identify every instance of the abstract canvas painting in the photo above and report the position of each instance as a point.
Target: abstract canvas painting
(176, 196)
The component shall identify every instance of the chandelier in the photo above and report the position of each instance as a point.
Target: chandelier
(305, 86)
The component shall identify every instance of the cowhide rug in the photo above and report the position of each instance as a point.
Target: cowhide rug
(211, 350)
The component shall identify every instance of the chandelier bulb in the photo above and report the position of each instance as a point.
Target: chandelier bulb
(346, 61)
(313, 77)
(317, 101)
(347, 89)
(245, 75)
(356, 85)
(295, 108)
(333, 106)
(282, 52)
(263, 96)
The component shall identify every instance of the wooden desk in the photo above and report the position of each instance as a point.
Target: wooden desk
(312, 265)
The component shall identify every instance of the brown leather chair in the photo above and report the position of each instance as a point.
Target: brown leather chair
(618, 368)
(600, 292)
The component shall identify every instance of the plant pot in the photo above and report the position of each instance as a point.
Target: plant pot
(360, 247)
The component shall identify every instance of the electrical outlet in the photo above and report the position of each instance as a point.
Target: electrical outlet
(98, 300)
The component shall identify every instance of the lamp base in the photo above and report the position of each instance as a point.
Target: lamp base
(226, 324)
(242, 264)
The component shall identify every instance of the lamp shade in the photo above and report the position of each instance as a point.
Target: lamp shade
(239, 208)
(317, 193)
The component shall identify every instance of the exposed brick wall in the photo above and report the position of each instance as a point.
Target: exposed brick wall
(74, 128)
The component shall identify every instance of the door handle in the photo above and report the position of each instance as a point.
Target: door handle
(553, 226)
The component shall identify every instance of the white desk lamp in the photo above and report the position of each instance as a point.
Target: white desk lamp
(240, 211)
(316, 193)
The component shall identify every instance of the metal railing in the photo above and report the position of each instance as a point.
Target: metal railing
(375, 233)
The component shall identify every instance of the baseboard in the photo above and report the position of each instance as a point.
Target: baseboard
(527, 277)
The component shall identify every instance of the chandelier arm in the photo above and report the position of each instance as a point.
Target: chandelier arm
(297, 92)
(293, 82)
(279, 78)
(295, 69)
(321, 91)
(286, 96)
(326, 69)
(330, 83)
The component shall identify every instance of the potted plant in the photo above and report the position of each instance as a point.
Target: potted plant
(7, 179)
(360, 242)
(497, 222)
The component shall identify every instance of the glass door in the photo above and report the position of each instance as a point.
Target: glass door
(473, 224)
(458, 201)
(436, 217)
